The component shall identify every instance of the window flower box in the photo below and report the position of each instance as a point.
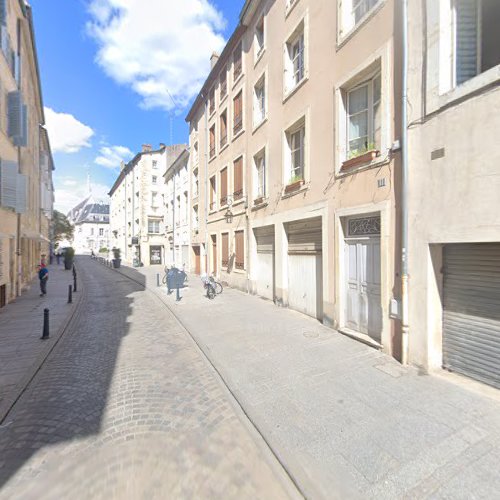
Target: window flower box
(294, 186)
(361, 159)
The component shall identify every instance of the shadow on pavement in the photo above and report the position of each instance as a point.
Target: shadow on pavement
(66, 399)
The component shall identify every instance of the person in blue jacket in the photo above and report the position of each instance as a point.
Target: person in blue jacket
(43, 276)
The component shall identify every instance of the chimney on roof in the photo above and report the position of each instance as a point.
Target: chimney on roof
(162, 145)
(146, 148)
(213, 59)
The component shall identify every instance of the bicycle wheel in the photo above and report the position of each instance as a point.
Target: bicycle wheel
(210, 292)
(218, 287)
(164, 279)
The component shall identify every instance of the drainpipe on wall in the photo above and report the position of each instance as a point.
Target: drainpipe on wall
(206, 186)
(404, 192)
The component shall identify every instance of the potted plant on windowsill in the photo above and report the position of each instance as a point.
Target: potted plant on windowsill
(296, 182)
(361, 156)
(116, 257)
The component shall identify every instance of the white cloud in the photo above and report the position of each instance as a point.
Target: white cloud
(112, 156)
(159, 49)
(72, 191)
(66, 133)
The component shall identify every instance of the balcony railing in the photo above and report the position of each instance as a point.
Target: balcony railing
(213, 205)
(238, 68)
(237, 195)
(212, 151)
(239, 265)
(223, 140)
(223, 89)
(238, 123)
(223, 201)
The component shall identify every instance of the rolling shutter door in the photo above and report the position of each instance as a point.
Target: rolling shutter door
(264, 237)
(304, 237)
(471, 319)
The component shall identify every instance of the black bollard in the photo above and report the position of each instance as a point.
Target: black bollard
(70, 294)
(74, 283)
(157, 279)
(45, 334)
(74, 270)
(178, 295)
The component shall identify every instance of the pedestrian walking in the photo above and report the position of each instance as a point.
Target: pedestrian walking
(43, 276)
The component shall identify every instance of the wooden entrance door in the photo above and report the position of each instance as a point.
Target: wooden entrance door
(197, 260)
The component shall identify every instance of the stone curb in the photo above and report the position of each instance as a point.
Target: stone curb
(293, 487)
(10, 400)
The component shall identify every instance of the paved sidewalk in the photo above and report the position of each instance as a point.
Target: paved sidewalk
(340, 415)
(21, 326)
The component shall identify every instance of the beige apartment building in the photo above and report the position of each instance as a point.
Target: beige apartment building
(454, 186)
(26, 190)
(294, 160)
(137, 206)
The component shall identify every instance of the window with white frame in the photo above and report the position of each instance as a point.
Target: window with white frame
(154, 179)
(259, 101)
(153, 226)
(195, 217)
(364, 117)
(259, 37)
(237, 62)
(295, 63)
(223, 83)
(195, 182)
(186, 208)
(295, 154)
(154, 200)
(260, 175)
(352, 12)
(477, 40)
(195, 153)
(155, 164)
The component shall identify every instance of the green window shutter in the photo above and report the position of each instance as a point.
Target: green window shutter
(15, 114)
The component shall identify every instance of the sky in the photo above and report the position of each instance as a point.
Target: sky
(117, 74)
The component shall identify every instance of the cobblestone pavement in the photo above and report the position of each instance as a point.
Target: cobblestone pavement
(21, 326)
(340, 415)
(127, 407)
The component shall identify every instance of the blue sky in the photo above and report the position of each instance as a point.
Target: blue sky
(108, 69)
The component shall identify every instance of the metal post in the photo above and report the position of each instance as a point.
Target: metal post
(178, 295)
(157, 279)
(45, 334)
(70, 294)
(74, 283)
(405, 329)
(74, 270)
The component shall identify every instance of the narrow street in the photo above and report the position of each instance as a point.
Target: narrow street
(127, 407)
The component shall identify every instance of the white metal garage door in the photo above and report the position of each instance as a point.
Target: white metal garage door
(305, 268)
(471, 318)
(363, 309)
(264, 237)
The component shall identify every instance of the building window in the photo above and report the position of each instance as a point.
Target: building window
(259, 38)
(352, 12)
(195, 217)
(223, 129)
(259, 101)
(195, 153)
(186, 208)
(223, 187)
(153, 226)
(364, 117)
(260, 175)
(225, 249)
(154, 179)
(101, 231)
(195, 182)
(154, 200)
(211, 100)
(212, 141)
(238, 113)
(476, 37)
(239, 244)
(238, 179)
(237, 62)
(223, 84)
(155, 164)
(213, 193)
(295, 153)
(295, 63)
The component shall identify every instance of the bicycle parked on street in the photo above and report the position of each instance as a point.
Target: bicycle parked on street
(216, 284)
(208, 286)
